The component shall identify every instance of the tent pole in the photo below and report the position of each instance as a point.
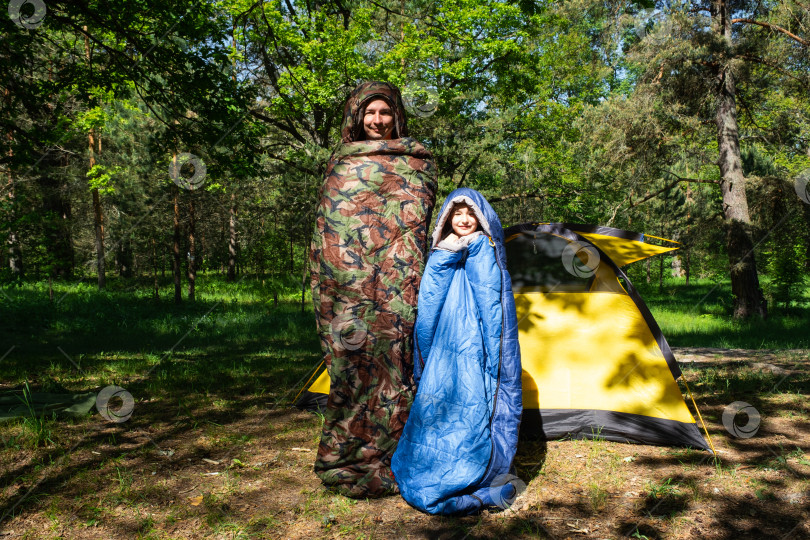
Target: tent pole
(308, 381)
(706, 431)
(659, 238)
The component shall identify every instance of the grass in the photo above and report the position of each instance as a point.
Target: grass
(211, 379)
(598, 496)
(233, 337)
(700, 316)
(662, 489)
(117, 336)
(36, 427)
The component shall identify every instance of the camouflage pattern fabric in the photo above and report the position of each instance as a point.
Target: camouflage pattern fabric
(367, 259)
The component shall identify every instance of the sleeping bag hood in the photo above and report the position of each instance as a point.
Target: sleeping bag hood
(456, 451)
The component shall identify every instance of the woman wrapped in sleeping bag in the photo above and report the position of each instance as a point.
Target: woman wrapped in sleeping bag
(367, 259)
(455, 455)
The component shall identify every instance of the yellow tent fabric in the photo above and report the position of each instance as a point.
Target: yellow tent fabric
(622, 251)
(611, 363)
(321, 384)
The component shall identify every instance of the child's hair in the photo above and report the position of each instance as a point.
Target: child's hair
(447, 228)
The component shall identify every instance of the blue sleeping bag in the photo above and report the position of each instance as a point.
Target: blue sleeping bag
(460, 439)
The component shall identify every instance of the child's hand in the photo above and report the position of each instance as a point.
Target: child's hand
(452, 237)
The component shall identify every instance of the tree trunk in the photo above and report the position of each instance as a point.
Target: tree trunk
(660, 273)
(806, 211)
(748, 297)
(155, 270)
(201, 249)
(192, 268)
(677, 266)
(94, 144)
(14, 255)
(648, 262)
(56, 225)
(260, 253)
(232, 240)
(689, 202)
(303, 292)
(98, 216)
(292, 259)
(178, 296)
(305, 272)
(13, 243)
(125, 257)
(687, 267)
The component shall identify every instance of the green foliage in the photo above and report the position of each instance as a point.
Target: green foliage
(662, 489)
(698, 315)
(787, 270)
(101, 177)
(576, 111)
(258, 346)
(661, 133)
(37, 427)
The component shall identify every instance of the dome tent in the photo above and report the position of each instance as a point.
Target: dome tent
(595, 363)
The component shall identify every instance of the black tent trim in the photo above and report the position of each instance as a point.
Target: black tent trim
(576, 228)
(311, 401)
(550, 424)
(605, 231)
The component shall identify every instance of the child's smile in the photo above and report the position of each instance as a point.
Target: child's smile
(463, 221)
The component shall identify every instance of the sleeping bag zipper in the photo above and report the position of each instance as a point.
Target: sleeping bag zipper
(498, 380)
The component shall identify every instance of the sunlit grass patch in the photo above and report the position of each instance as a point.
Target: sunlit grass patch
(699, 315)
(233, 336)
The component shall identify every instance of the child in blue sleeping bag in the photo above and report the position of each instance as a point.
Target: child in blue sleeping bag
(456, 451)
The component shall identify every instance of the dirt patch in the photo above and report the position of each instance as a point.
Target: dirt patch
(242, 469)
(793, 357)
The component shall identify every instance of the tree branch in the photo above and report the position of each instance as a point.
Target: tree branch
(283, 127)
(773, 66)
(466, 170)
(293, 164)
(526, 195)
(669, 186)
(773, 27)
(613, 216)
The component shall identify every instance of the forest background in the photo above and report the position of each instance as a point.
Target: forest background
(688, 120)
(160, 162)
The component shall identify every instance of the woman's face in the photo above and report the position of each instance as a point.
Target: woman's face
(378, 120)
(463, 221)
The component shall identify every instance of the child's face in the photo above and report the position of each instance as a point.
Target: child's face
(463, 221)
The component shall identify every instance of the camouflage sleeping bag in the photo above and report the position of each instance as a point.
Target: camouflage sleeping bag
(366, 260)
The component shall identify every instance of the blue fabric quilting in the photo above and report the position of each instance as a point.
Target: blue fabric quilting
(462, 429)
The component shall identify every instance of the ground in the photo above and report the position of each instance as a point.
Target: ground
(241, 467)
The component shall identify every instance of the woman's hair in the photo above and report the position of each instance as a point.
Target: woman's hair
(447, 228)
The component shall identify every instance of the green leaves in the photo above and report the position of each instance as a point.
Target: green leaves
(101, 177)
